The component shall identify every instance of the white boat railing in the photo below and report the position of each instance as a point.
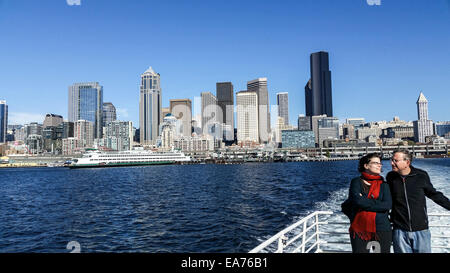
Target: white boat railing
(439, 232)
(307, 234)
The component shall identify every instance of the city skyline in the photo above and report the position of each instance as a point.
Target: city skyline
(391, 55)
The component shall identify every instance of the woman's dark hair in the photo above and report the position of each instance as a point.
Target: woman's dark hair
(365, 160)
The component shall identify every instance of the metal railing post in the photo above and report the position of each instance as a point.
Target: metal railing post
(304, 237)
(317, 233)
(281, 244)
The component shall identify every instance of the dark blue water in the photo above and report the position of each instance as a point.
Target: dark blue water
(188, 208)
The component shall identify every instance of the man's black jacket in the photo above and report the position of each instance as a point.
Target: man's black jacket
(409, 208)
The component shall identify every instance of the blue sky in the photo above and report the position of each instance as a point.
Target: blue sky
(381, 56)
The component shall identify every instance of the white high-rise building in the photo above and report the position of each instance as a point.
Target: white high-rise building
(422, 107)
(260, 87)
(423, 127)
(149, 106)
(247, 116)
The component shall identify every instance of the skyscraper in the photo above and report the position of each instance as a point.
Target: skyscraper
(308, 99)
(260, 87)
(149, 106)
(109, 113)
(304, 123)
(225, 100)
(86, 103)
(423, 127)
(247, 116)
(182, 110)
(283, 106)
(3, 120)
(211, 112)
(318, 99)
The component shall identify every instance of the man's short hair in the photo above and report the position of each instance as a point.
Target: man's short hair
(406, 153)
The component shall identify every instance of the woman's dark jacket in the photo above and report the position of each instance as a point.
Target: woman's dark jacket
(381, 206)
(409, 210)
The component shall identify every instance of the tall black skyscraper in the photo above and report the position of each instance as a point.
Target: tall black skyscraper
(225, 101)
(224, 95)
(318, 100)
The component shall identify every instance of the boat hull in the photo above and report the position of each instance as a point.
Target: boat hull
(128, 164)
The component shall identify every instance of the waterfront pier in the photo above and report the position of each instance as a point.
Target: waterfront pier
(238, 155)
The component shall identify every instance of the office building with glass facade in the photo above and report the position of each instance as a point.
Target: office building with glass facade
(86, 103)
(318, 98)
(304, 123)
(225, 100)
(442, 128)
(3, 120)
(283, 106)
(109, 113)
(297, 139)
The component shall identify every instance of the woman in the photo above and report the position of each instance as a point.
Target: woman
(371, 198)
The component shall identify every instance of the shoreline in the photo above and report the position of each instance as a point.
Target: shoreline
(207, 161)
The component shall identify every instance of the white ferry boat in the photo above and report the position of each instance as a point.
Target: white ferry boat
(93, 159)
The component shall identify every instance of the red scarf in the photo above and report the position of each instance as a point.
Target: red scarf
(363, 224)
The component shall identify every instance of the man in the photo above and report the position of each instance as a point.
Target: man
(409, 186)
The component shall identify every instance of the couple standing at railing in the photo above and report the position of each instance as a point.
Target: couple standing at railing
(373, 204)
